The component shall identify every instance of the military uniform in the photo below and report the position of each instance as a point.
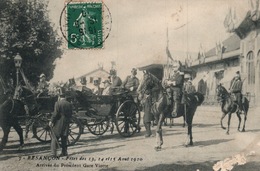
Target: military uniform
(175, 82)
(188, 87)
(131, 81)
(236, 89)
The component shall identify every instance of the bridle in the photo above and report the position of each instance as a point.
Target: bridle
(221, 94)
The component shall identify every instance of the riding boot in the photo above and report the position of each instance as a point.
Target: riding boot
(174, 111)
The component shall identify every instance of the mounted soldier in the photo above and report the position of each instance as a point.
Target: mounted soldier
(175, 83)
(188, 88)
(236, 85)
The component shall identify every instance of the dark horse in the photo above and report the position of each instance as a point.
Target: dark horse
(160, 108)
(10, 110)
(228, 106)
(13, 110)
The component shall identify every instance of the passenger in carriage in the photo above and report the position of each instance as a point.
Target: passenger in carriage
(96, 89)
(107, 90)
(43, 85)
(116, 81)
(131, 82)
(85, 89)
(236, 89)
(175, 83)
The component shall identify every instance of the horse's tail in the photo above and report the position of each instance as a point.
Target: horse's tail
(199, 97)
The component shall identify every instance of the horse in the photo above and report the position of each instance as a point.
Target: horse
(228, 106)
(160, 108)
(13, 109)
(10, 110)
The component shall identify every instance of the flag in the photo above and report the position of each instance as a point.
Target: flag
(168, 53)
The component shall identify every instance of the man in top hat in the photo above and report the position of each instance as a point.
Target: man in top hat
(175, 83)
(96, 89)
(131, 82)
(60, 125)
(114, 79)
(107, 90)
(43, 85)
(85, 89)
(236, 88)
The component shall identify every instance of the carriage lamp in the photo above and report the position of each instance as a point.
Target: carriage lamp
(18, 62)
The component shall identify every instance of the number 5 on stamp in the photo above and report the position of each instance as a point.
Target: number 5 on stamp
(84, 23)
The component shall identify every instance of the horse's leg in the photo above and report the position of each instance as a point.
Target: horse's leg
(184, 121)
(171, 122)
(239, 118)
(222, 117)
(19, 131)
(189, 119)
(27, 128)
(229, 118)
(165, 122)
(6, 130)
(243, 130)
(159, 138)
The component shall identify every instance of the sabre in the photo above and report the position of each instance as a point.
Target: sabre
(54, 137)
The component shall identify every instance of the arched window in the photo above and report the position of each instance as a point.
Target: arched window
(250, 68)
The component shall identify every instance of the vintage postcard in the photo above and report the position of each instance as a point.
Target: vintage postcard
(129, 85)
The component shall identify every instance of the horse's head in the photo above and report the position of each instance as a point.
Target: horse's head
(221, 92)
(148, 82)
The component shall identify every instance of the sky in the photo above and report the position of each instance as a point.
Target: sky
(139, 29)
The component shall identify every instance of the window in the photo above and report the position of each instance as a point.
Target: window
(250, 68)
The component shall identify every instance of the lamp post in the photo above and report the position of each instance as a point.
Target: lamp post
(18, 62)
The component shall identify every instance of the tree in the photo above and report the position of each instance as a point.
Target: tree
(27, 30)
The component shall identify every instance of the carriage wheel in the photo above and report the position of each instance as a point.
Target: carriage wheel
(75, 130)
(97, 126)
(127, 118)
(41, 129)
(42, 132)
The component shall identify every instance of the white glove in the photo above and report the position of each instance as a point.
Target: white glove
(131, 88)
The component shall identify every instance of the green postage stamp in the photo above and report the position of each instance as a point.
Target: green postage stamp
(84, 24)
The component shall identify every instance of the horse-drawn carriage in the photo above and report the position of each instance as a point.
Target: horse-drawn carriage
(99, 112)
(34, 113)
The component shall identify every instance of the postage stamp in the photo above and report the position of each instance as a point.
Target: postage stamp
(84, 25)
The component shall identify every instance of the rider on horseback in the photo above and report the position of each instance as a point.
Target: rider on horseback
(236, 89)
(175, 83)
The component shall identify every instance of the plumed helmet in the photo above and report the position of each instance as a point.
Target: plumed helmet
(176, 64)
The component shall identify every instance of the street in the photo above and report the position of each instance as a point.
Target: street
(113, 152)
